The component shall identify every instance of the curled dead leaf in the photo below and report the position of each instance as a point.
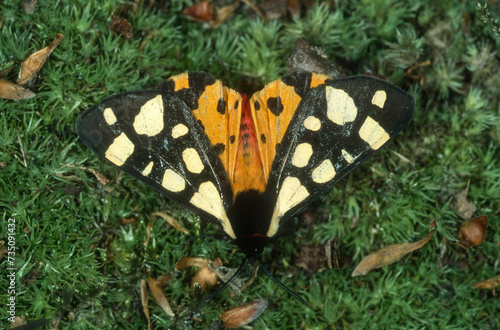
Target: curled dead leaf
(205, 278)
(126, 221)
(35, 61)
(274, 9)
(13, 91)
(159, 296)
(29, 6)
(464, 208)
(390, 254)
(186, 262)
(121, 26)
(294, 8)
(223, 14)
(316, 258)
(144, 301)
(203, 11)
(102, 180)
(244, 314)
(472, 232)
(171, 220)
(148, 231)
(490, 283)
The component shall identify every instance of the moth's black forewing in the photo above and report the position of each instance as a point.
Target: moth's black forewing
(162, 149)
(331, 139)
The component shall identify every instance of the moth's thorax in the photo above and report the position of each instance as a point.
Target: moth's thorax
(250, 216)
(248, 172)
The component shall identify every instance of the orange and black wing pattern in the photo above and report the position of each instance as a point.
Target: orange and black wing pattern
(246, 163)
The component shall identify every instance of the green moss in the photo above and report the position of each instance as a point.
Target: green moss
(78, 262)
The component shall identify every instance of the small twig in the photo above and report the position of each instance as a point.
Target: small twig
(25, 163)
(256, 9)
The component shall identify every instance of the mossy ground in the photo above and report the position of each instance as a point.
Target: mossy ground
(77, 262)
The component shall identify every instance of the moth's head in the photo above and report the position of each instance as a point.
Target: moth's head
(252, 245)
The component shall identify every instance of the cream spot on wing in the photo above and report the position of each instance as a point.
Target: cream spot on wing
(379, 98)
(373, 133)
(109, 116)
(292, 192)
(347, 156)
(148, 169)
(149, 121)
(173, 181)
(208, 199)
(324, 172)
(340, 106)
(302, 154)
(192, 160)
(120, 150)
(179, 130)
(312, 123)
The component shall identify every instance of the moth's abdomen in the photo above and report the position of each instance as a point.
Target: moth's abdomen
(248, 172)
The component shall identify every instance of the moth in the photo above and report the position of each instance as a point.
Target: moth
(246, 163)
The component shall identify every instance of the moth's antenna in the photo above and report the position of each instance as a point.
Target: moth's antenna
(222, 287)
(275, 280)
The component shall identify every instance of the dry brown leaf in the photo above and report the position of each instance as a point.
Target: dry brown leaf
(144, 301)
(390, 254)
(490, 283)
(121, 26)
(29, 6)
(203, 11)
(256, 9)
(223, 14)
(186, 262)
(294, 8)
(171, 221)
(11, 91)
(148, 230)
(274, 9)
(316, 258)
(125, 221)
(102, 180)
(464, 208)
(159, 296)
(35, 61)
(205, 277)
(244, 314)
(472, 232)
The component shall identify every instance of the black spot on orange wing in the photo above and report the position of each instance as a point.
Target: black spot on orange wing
(221, 106)
(275, 105)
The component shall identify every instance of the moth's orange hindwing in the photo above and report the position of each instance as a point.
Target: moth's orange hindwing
(337, 125)
(154, 136)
